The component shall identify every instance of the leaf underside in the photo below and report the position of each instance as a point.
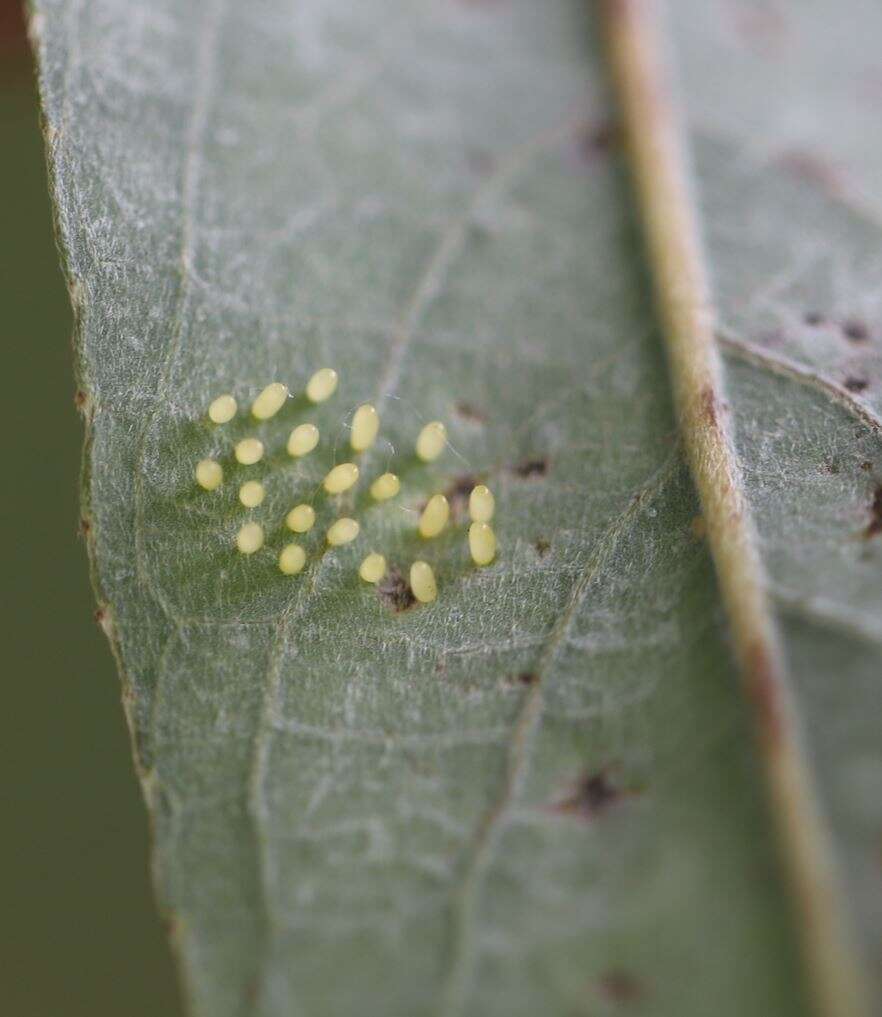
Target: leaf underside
(539, 794)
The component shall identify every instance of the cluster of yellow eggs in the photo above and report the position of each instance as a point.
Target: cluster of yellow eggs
(304, 438)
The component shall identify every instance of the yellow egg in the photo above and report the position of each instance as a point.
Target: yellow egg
(373, 568)
(209, 474)
(321, 385)
(252, 493)
(482, 543)
(249, 451)
(222, 409)
(341, 478)
(431, 441)
(292, 559)
(270, 401)
(250, 538)
(365, 427)
(301, 518)
(385, 487)
(422, 582)
(481, 504)
(303, 439)
(434, 517)
(342, 532)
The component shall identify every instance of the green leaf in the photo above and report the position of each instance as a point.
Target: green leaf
(540, 794)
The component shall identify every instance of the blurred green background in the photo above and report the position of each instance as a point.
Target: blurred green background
(80, 934)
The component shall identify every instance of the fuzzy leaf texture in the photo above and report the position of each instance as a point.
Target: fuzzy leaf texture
(540, 794)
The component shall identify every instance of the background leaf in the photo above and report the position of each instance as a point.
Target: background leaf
(540, 793)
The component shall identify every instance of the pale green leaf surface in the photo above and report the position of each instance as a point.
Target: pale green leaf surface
(354, 807)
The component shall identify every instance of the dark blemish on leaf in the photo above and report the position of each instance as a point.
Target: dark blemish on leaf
(590, 797)
(80, 400)
(813, 318)
(542, 547)
(866, 466)
(394, 591)
(709, 406)
(763, 691)
(814, 169)
(457, 494)
(595, 140)
(831, 465)
(698, 527)
(531, 468)
(621, 987)
(527, 678)
(480, 162)
(85, 527)
(855, 331)
(761, 27)
(773, 337)
(478, 231)
(616, 8)
(104, 620)
(252, 991)
(856, 384)
(470, 413)
(874, 527)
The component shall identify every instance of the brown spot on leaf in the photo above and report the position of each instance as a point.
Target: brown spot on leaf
(709, 406)
(698, 527)
(831, 466)
(595, 140)
(542, 547)
(854, 384)
(535, 467)
(590, 796)
(764, 691)
(866, 466)
(814, 169)
(874, 526)
(470, 413)
(619, 986)
(480, 162)
(527, 678)
(81, 398)
(394, 591)
(85, 527)
(617, 8)
(855, 330)
(252, 990)
(761, 26)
